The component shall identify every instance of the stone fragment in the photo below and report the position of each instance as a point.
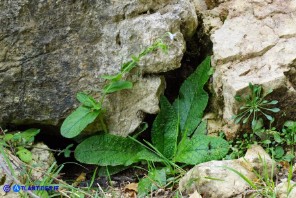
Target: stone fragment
(42, 160)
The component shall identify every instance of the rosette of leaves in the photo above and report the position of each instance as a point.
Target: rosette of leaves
(255, 104)
(178, 132)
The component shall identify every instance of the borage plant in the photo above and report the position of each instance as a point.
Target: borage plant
(178, 134)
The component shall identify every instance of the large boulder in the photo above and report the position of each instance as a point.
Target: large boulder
(253, 41)
(50, 50)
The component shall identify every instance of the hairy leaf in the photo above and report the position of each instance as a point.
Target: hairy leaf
(88, 101)
(201, 148)
(193, 99)
(117, 86)
(112, 150)
(165, 129)
(201, 129)
(78, 120)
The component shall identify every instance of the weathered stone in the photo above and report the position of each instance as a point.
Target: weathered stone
(50, 50)
(286, 189)
(212, 179)
(253, 41)
(42, 160)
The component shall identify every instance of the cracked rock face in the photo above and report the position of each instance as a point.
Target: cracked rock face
(50, 50)
(253, 41)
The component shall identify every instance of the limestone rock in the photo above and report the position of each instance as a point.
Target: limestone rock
(256, 156)
(42, 160)
(50, 50)
(253, 41)
(212, 179)
(283, 189)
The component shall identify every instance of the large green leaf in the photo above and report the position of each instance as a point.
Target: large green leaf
(165, 129)
(193, 99)
(78, 120)
(201, 148)
(112, 150)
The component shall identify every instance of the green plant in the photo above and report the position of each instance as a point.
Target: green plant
(239, 146)
(274, 142)
(289, 133)
(178, 134)
(18, 142)
(91, 109)
(253, 107)
(254, 104)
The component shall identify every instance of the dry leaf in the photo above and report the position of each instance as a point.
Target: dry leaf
(80, 178)
(131, 187)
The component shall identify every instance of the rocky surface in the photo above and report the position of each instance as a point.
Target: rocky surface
(286, 189)
(212, 179)
(253, 41)
(50, 50)
(42, 160)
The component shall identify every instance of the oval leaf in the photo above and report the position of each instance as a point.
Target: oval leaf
(77, 121)
(201, 148)
(25, 155)
(112, 150)
(275, 110)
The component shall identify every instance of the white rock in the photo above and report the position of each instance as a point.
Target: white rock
(42, 160)
(255, 43)
(213, 179)
(283, 189)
